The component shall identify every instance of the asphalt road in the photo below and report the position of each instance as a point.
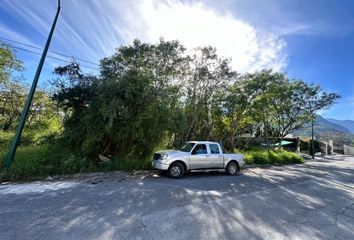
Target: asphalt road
(311, 201)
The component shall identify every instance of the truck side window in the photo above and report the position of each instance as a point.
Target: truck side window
(200, 149)
(214, 149)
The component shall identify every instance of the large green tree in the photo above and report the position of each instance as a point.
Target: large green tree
(295, 103)
(149, 95)
(208, 76)
(131, 107)
(43, 118)
(8, 63)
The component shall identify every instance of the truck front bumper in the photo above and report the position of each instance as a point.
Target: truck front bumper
(159, 165)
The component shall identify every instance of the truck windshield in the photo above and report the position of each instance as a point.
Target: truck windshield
(187, 147)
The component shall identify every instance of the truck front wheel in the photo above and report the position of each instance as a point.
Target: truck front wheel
(232, 168)
(176, 170)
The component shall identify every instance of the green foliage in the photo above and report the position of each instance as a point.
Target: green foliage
(5, 138)
(296, 102)
(33, 162)
(154, 94)
(127, 111)
(150, 96)
(43, 123)
(8, 63)
(262, 156)
(208, 76)
(43, 119)
(38, 162)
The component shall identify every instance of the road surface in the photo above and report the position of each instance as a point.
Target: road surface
(310, 201)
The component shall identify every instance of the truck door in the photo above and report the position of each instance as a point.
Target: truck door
(199, 158)
(216, 157)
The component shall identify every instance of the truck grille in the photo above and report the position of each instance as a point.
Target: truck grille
(157, 156)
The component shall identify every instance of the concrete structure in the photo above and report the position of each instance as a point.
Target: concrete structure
(348, 150)
(331, 147)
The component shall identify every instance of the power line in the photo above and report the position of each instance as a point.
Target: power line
(56, 58)
(55, 52)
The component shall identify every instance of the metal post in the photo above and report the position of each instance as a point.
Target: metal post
(12, 150)
(312, 140)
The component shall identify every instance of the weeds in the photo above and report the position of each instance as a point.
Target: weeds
(39, 161)
(261, 156)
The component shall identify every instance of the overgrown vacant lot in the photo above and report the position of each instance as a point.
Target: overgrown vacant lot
(37, 162)
(146, 97)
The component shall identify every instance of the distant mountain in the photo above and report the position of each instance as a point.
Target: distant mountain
(329, 125)
(349, 124)
(325, 130)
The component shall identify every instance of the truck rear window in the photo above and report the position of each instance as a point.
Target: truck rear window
(214, 149)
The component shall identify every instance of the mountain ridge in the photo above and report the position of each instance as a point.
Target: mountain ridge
(325, 130)
(349, 124)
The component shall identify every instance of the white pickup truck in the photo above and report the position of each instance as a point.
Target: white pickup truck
(197, 156)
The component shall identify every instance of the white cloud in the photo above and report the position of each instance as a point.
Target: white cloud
(11, 34)
(93, 29)
(195, 24)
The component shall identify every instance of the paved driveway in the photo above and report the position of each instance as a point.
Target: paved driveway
(311, 201)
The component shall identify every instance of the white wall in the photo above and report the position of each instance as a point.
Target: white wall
(348, 150)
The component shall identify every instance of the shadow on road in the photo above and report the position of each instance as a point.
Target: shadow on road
(314, 201)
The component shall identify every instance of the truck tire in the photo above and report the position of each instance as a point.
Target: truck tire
(176, 170)
(232, 168)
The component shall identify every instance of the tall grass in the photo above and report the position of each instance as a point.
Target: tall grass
(262, 156)
(39, 161)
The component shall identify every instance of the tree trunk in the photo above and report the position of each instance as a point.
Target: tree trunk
(281, 140)
(266, 132)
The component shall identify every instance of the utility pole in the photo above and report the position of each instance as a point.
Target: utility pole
(12, 149)
(312, 139)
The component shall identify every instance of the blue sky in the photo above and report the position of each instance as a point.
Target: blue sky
(311, 40)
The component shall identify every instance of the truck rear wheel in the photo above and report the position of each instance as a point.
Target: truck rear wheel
(176, 170)
(232, 168)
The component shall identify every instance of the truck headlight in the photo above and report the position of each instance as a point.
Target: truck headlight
(164, 156)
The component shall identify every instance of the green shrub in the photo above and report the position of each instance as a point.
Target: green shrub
(28, 162)
(32, 162)
(74, 164)
(39, 161)
(275, 157)
(248, 157)
(261, 156)
(290, 157)
(5, 138)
